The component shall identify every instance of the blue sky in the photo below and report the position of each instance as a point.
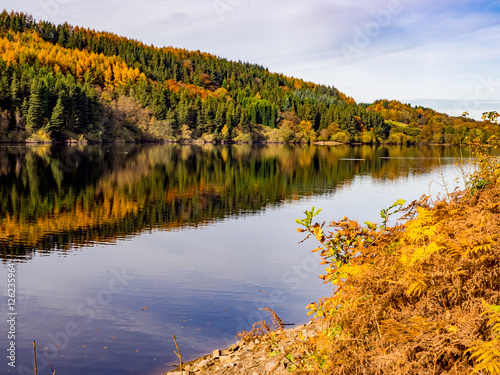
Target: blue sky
(440, 53)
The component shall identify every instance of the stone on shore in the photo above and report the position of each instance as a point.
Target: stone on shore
(253, 357)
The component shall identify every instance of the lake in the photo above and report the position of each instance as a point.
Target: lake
(118, 247)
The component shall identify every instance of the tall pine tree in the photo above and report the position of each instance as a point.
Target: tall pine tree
(56, 122)
(34, 118)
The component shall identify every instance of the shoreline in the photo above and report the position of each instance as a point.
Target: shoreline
(259, 355)
(215, 143)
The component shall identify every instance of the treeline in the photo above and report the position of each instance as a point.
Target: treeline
(59, 82)
(423, 125)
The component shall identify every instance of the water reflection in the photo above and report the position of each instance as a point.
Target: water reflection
(59, 198)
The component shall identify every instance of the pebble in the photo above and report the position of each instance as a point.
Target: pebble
(249, 358)
(202, 364)
(270, 366)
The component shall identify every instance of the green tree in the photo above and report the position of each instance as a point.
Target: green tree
(14, 91)
(5, 93)
(56, 122)
(34, 118)
(218, 118)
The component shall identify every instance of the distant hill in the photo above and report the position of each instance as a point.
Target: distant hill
(425, 125)
(65, 83)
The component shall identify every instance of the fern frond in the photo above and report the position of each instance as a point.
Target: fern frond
(259, 329)
(453, 250)
(415, 254)
(487, 353)
(277, 322)
(418, 285)
(398, 332)
(424, 252)
(487, 356)
(494, 312)
(479, 248)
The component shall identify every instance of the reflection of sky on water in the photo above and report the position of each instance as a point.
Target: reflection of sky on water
(203, 285)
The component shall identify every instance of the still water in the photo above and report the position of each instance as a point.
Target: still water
(117, 248)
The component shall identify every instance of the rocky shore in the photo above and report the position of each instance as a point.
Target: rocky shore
(258, 356)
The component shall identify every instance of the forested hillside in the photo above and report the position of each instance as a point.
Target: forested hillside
(59, 82)
(64, 82)
(424, 125)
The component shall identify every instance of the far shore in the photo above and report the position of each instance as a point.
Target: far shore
(73, 142)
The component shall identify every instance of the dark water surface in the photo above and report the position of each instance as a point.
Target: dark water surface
(117, 248)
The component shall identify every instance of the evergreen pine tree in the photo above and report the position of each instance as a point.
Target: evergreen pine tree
(5, 94)
(34, 118)
(63, 36)
(14, 100)
(244, 118)
(274, 117)
(14, 91)
(218, 119)
(287, 105)
(229, 118)
(82, 111)
(24, 109)
(56, 122)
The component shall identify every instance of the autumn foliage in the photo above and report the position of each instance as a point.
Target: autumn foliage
(88, 66)
(190, 95)
(417, 124)
(421, 297)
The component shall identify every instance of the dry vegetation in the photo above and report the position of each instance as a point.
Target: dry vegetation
(261, 328)
(418, 298)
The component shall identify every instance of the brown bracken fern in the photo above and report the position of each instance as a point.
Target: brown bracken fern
(487, 353)
(418, 298)
(261, 327)
(277, 322)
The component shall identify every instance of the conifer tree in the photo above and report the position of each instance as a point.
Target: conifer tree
(229, 118)
(14, 91)
(34, 118)
(56, 122)
(5, 95)
(218, 118)
(24, 109)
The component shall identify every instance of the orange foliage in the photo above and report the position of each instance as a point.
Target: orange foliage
(108, 70)
(190, 88)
